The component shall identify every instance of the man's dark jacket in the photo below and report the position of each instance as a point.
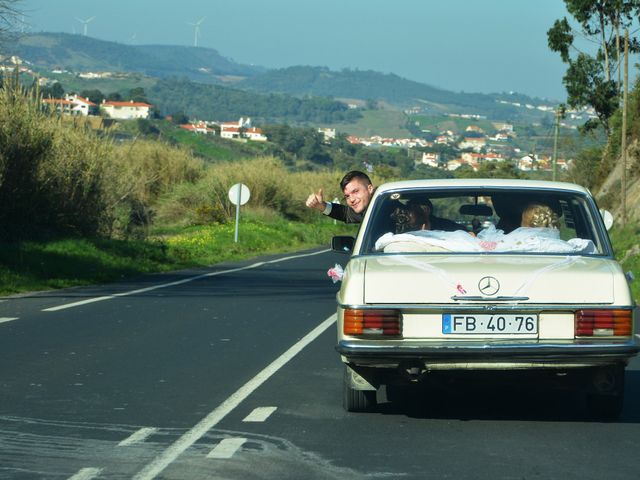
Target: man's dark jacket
(345, 214)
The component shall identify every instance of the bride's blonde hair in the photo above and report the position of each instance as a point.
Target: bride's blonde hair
(538, 215)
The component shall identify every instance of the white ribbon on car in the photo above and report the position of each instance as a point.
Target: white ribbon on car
(427, 267)
(522, 290)
(561, 264)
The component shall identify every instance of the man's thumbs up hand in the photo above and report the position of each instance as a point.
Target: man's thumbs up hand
(316, 200)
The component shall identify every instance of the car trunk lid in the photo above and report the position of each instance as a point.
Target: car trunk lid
(438, 279)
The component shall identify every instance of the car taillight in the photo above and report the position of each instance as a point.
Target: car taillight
(603, 323)
(371, 322)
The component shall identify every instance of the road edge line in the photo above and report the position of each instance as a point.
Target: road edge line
(177, 282)
(162, 461)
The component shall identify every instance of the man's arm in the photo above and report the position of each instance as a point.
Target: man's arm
(333, 210)
(345, 214)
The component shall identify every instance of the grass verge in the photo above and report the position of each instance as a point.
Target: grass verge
(36, 266)
(626, 244)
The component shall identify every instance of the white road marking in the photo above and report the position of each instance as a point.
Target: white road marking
(226, 448)
(260, 414)
(77, 304)
(137, 437)
(7, 319)
(178, 282)
(86, 474)
(163, 460)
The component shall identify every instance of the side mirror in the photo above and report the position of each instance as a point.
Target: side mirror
(607, 218)
(343, 244)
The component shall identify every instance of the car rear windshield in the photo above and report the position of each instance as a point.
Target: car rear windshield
(484, 221)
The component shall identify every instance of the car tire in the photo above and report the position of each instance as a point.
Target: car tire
(605, 402)
(356, 400)
(605, 407)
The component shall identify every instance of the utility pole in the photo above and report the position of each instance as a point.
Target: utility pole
(623, 140)
(555, 144)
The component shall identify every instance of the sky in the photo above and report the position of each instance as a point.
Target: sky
(481, 46)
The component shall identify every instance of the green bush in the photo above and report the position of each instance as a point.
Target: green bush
(51, 177)
(59, 178)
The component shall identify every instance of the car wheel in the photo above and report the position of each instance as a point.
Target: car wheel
(356, 400)
(606, 399)
(605, 407)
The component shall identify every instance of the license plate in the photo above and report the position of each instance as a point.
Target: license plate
(489, 324)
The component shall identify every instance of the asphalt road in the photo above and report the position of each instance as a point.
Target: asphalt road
(231, 373)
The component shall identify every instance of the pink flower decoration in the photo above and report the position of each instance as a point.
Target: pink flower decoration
(336, 273)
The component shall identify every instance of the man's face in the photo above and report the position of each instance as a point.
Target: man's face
(358, 195)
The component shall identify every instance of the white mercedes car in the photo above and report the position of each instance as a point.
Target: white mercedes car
(450, 276)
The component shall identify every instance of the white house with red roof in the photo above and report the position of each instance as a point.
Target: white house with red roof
(72, 105)
(475, 142)
(229, 132)
(198, 127)
(125, 110)
(242, 129)
(61, 105)
(233, 130)
(503, 127)
(500, 137)
(470, 157)
(528, 162)
(455, 164)
(563, 164)
(329, 133)
(459, 162)
(431, 159)
(255, 134)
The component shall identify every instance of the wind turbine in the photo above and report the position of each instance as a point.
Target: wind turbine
(196, 28)
(85, 23)
(23, 25)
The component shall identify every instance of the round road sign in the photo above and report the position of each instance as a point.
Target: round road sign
(239, 192)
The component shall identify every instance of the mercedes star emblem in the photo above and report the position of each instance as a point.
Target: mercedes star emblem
(489, 286)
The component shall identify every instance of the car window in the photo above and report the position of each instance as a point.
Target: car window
(483, 221)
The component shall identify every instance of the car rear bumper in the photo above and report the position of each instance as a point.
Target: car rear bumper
(487, 355)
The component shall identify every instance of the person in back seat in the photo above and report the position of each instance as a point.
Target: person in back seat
(538, 215)
(418, 215)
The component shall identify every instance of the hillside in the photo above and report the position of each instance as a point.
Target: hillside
(79, 53)
(204, 65)
(213, 101)
(368, 84)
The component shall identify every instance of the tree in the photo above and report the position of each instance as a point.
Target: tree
(8, 19)
(488, 170)
(146, 127)
(137, 95)
(96, 96)
(54, 91)
(584, 170)
(591, 80)
(179, 118)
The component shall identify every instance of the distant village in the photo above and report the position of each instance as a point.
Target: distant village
(474, 145)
